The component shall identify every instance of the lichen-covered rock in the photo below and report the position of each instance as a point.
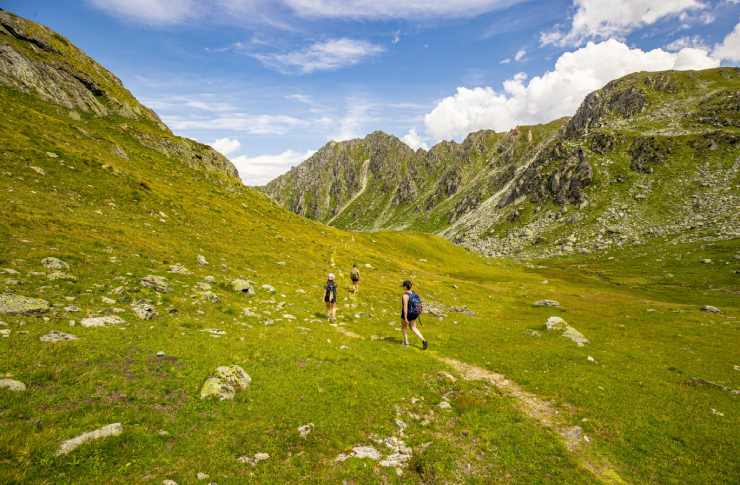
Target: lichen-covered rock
(54, 263)
(106, 321)
(201, 260)
(243, 286)
(60, 275)
(12, 385)
(68, 446)
(11, 304)
(157, 283)
(225, 383)
(56, 336)
(648, 152)
(559, 325)
(144, 310)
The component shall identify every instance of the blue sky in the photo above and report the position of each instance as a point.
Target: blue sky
(267, 82)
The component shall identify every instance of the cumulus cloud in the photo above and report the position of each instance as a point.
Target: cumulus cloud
(413, 140)
(601, 19)
(260, 169)
(321, 56)
(226, 146)
(729, 48)
(554, 94)
(390, 9)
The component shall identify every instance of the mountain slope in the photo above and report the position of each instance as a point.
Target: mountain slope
(105, 215)
(649, 155)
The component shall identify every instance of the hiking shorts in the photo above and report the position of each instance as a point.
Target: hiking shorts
(330, 298)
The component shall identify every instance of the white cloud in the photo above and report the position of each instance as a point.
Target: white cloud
(352, 121)
(226, 146)
(387, 9)
(149, 11)
(554, 94)
(520, 55)
(695, 42)
(259, 170)
(252, 124)
(413, 140)
(729, 48)
(322, 56)
(601, 19)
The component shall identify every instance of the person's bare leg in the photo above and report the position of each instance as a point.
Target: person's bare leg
(328, 310)
(334, 312)
(405, 330)
(416, 331)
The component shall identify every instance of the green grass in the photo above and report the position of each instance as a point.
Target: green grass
(633, 402)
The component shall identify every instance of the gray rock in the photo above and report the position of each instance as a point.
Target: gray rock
(268, 288)
(559, 325)
(11, 304)
(202, 261)
(245, 287)
(92, 322)
(225, 383)
(5, 333)
(60, 275)
(144, 310)
(203, 286)
(54, 263)
(12, 385)
(253, 460)
(56, 336)
(68, 446)
(549, 303)
(210, 296)
(179, 269)
(108, 301)
(305, 430)
(157, 283)
(710, 309)
(209, 279)
(71, 309)
(201, 476)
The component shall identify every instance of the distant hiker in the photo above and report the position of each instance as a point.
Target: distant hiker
(355, 276)
(330, 298)
(411, 308)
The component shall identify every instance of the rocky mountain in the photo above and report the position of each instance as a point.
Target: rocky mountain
(39, 62)
(649, 155)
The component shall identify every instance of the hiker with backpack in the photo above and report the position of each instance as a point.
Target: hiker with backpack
(355, 277)
(411, 309)
(330, 298)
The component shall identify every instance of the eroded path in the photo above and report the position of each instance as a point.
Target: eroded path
(544, 412)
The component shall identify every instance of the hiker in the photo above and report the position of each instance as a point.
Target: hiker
(411, 308)
(330, 298)
(355, 276)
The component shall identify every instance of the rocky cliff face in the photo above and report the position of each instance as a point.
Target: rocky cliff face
(649, 155)
(38, 62)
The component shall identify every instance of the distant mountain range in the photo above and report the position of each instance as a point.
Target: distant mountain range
(649, 155)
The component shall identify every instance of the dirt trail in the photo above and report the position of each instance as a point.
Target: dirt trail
(547, 415)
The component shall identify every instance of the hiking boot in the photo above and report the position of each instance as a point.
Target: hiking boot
(424, 345)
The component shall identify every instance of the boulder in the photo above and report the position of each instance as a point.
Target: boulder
(144, 310)
(54, 263)
(550, 303)
(12, 385)
(555, 323)
(56, 336)
(11, 304)
(202, 261)
(101, 321)
(68, 446)
(559, 325)
(225, 383)
(245, 287)
(157, 283)
(710, 309)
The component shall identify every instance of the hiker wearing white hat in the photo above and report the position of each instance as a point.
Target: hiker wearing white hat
(330, 298)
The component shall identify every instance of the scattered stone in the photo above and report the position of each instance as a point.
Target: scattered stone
(547, 303)
(225, 383)
(533, 333)
(179, 269)
(361, 452)
(68, 446)
(5, 332)
(591, 359)
(157, 283)
(305, 430)
(560, 325)
(288, 316)
(161, 354)
(108, 301)
(400, 454)
(203, 286)
(202, 261)
(463, 309)
(718, 413)
(443, 374)
(60, 275)
(258, 457)
(281, 263)
(444, 405)
(209, 279)
(11, 304)
(210, 297)
(101, 321)
(169, 482)
(245, 287)
(268, 288)
(12, 385)
(9, 271)
(706, 261)
(144, 310)
(52, 155)
(71, 309)
(54, 263)
(202, 476)
(215, 332)
(56, 336)
(710, 309)
(38, 170)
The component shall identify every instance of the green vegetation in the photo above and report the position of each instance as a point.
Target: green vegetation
(655, 402)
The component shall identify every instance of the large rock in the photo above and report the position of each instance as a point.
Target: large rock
(68, 446)
(54, 263)
(12, 385)
(710, 309)
(156, 283)
(550, 303)
(245, 287)
(22, 305)
(202, 261)
(557, 324)
(144, 310)
(56, 336)
(101, 321)
(225, 383)
(60, 275)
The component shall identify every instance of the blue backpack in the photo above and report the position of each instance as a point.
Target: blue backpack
(416, 307)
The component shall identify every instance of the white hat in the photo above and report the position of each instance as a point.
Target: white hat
(331, 276)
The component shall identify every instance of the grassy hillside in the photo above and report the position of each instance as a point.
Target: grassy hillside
(109, 196)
